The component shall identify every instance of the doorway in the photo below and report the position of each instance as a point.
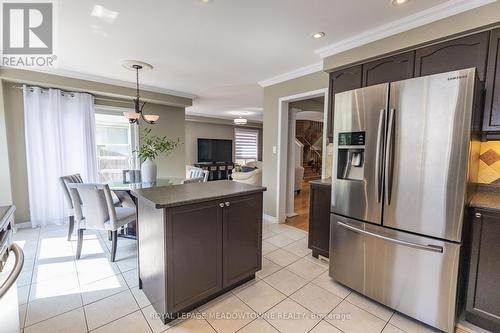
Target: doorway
(301, 149)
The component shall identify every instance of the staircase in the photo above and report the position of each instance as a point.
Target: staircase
(311, 173)
(310, 134)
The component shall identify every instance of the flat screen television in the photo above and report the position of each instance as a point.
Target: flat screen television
(215, 150)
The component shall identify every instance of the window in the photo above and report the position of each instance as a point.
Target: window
(246, 145)
(115, 140)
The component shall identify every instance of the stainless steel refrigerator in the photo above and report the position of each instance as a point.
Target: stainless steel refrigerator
(405, 155)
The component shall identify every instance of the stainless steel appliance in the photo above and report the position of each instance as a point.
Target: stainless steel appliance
(10, 268)
(404, 155)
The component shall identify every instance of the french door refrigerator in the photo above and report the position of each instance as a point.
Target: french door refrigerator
(405, 155)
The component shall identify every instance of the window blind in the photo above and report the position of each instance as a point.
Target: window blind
(246, 143)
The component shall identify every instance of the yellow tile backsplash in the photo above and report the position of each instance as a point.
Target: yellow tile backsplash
(489, 163)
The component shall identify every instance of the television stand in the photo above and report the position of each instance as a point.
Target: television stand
(217, 170)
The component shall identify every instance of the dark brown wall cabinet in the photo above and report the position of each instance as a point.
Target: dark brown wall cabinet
(319, 218)
(192, 253)
(483, 294)
(343, 80)
(394, 68)
(460, 53)
(492, 99)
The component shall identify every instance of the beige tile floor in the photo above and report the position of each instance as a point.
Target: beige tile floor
(292, 293)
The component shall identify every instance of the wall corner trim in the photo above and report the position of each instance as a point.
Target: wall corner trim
(435, 13)
(292, 74)
(268, 219)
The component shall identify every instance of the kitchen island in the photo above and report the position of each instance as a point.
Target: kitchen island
(196, 242)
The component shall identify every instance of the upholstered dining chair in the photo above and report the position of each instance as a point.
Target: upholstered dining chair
(65, 180)
(193, 180)
(71, 179)
(97, 212)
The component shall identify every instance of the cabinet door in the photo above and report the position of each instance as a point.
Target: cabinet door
(393, 68)
(492, 98)
(242, 238)
(461, 53)
(483, 294)
(342, 80)
(319, 219)
(194, 253)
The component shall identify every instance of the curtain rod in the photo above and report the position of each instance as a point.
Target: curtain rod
(45, 89)
(75, 92)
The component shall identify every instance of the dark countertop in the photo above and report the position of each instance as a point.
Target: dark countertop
(5, 213)
(487, 197)
(178, 195)
(322, 182)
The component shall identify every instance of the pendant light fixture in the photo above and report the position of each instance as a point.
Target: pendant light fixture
(137, 115)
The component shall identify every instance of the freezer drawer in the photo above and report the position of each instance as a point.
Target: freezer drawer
(415, 275)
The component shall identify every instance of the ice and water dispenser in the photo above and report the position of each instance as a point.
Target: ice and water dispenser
(351, 152)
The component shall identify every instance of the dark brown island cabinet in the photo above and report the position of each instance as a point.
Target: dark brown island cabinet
(319, 217)
(474, 49)
(197, 241)
(483, 292)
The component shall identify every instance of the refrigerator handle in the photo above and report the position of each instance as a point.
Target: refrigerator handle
(429, 247)
(378, 157)
(388, 157)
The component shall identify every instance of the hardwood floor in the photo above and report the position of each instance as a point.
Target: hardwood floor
(301, 221)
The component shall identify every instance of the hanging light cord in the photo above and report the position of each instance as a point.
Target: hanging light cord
(138, 106)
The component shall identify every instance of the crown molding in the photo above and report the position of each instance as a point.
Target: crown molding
(292, 74)
(444, 10)
(115, 82)
(207, 118)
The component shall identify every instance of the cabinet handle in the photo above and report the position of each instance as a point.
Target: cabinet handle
(221, 205)
(478, 215)
(228, 204)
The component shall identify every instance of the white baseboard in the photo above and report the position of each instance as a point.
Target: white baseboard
(268, 219)
(23, 225)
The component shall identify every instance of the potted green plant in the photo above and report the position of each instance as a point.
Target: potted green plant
(151, 146)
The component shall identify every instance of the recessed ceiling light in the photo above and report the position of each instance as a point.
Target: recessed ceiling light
(205, 1)
(318, 35)
(104, 14)
(398, 2)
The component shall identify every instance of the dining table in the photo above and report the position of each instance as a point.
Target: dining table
(123, 190)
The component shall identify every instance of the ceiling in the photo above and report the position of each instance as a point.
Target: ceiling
(216, 51)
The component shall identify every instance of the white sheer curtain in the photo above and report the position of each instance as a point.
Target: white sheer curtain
(60, 140)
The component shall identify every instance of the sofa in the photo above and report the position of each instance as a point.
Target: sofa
(252, 177)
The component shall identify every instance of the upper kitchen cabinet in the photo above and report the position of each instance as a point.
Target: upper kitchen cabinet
(342, 80)
(465, 52)
(393, 68)
(492, 98)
